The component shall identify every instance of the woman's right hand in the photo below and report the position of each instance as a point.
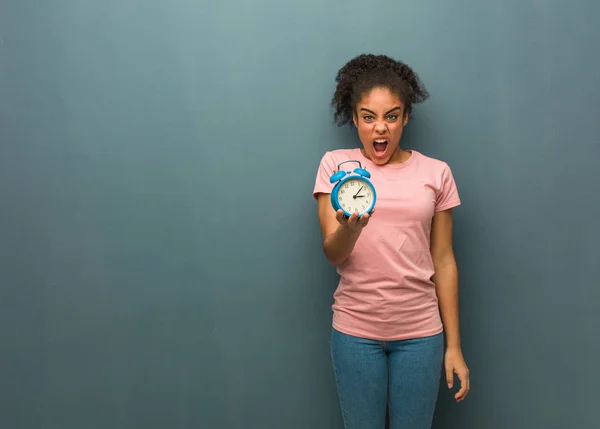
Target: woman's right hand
(354, 222)
(339, 233)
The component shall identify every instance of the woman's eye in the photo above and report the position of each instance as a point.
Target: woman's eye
(368, 118)
(393, 117)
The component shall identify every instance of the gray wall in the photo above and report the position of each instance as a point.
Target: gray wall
(160, 261)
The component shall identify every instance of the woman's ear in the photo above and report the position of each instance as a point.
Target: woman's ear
(355, 119)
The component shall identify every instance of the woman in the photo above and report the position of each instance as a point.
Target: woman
(397, 267)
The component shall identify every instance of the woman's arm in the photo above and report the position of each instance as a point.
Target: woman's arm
(339, 234)
(446, 275)
(446, 283)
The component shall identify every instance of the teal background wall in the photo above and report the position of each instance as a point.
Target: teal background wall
(160, 259)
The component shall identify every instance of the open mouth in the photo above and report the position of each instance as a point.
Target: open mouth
(379, 146)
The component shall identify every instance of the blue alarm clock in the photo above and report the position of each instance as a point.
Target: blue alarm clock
(353, 191)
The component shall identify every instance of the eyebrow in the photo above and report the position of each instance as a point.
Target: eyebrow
(389, 111)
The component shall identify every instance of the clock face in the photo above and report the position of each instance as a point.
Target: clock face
(355, 195)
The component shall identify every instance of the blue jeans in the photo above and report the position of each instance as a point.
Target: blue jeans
(373, 377)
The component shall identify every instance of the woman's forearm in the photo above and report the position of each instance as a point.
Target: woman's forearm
(446, 283)
(339, 244)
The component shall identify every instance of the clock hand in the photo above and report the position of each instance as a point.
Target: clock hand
(359, 191)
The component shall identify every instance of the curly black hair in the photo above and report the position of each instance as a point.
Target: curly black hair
(367, 71)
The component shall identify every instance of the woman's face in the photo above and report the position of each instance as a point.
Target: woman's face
(380, 119)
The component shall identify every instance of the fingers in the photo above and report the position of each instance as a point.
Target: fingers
(355, 221)
(363, 220)
(465, 385)
(339, 216)
(450, 377)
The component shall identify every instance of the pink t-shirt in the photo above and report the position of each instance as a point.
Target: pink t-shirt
(385, 290)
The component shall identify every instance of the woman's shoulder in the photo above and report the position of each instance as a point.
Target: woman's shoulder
(431, 166)
(430, 161)
(437, 172)
(342, 154)
(333, 157)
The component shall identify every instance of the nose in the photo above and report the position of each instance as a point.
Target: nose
(380, 127)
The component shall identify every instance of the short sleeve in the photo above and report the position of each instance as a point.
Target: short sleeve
(327, 167)
(447, 197)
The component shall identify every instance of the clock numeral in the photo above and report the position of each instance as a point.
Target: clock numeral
(342, 191)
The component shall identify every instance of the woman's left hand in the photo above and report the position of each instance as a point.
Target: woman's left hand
(455, 364)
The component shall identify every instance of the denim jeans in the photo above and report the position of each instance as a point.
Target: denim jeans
(373, 377)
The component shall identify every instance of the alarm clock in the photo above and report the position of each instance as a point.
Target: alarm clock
(353, 191)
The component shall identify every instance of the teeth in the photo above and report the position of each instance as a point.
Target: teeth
(380, 141)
